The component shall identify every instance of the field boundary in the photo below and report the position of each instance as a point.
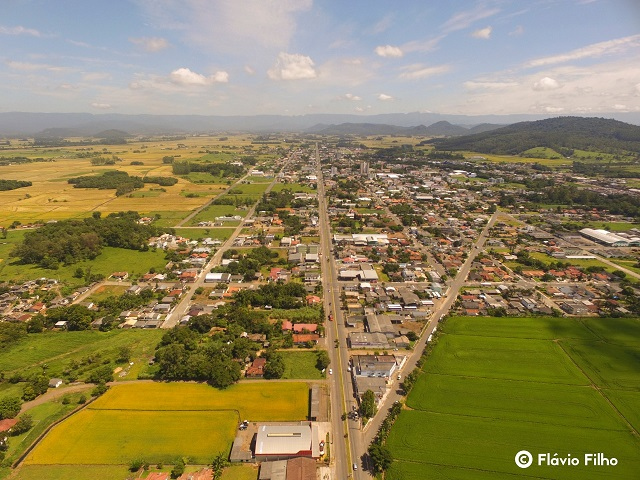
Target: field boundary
(600, 392)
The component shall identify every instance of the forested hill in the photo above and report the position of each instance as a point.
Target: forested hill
(560, 134)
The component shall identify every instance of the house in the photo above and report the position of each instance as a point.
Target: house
(375, 365)
(120, 276)
(302, 338)
(7, 424)
(55, 382)
(256, 369)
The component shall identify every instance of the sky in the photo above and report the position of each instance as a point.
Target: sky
(295, 57)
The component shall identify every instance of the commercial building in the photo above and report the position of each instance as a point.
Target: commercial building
(281, 442)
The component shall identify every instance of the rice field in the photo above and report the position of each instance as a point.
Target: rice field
(160, 422)
(494, 386)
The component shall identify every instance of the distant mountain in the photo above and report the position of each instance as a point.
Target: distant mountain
(560, 134)
(85, 124)
(366, 129)
(445, 129)
(112, 133)
(58, 132)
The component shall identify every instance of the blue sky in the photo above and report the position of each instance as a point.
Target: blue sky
(292, 57)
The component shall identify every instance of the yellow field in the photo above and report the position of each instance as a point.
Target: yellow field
(52, 198)
(160, 422)
(101, 437)
(256, 401)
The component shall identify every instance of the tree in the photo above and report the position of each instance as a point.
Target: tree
(380, 457)
(368, 406)
(218, 465)
(25, 422)
(178, 469)
(9, 407)
(323, 360)
(274, 367)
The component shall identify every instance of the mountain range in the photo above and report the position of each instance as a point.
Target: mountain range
(14, 124)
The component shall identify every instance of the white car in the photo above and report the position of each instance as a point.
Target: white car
(330, 372)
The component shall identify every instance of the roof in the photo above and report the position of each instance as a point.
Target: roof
(301, 469)
(283, 440)
(7, 423)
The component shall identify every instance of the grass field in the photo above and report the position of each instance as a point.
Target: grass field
(110, 260)
(494, 386)
(160, 422)
(301, 365)
(58, 349)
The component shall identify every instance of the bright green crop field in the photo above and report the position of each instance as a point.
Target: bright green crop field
(494, 386)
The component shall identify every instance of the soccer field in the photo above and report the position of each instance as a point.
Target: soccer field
(492, 387)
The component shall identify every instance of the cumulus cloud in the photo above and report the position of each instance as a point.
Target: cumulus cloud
(417, 71)
(19, 30)
(637, 87)
(546, 83)
(483, 33)
(549, 109)
(101, 106)
(351, 97)
(388, 51)
(184, 76)
(384, 97)
(292, 66)
(150, 44)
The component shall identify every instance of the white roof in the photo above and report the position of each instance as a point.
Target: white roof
(283, 439)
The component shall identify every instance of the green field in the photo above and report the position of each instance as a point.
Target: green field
(301, 365)
(210, 213)
(159, 422)
(494, 386)
(57, 350)
(221, 233)
(110, 260)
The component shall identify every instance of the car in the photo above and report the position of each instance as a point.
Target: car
(330, 372)
(355, 466)
(399, 376)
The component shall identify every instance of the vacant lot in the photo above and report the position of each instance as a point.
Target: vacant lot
(161, 422)
(301, 365)
(495, 386)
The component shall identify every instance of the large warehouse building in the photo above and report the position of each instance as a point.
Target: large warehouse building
(610, 239)
(280, 442)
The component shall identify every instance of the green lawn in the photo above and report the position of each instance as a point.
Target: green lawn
(494, 386)
(301, 365)
(221, 233)
(294, 187)
(210, 213)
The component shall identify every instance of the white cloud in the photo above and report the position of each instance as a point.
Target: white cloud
(384, 97)
(388, 51)
(292, 66)
(150, 44)
(417, 71)
(546, 83)
(519, 30)
(483, 33)
(184, 76)
(382, 25)
(637, 88)
(101, 106)
(19, 30)
(229, 26)
(33, 67)
(549, 109)
(590, 51)
(621, 108)
(351, 97)
(249, 70)
(464, 19)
